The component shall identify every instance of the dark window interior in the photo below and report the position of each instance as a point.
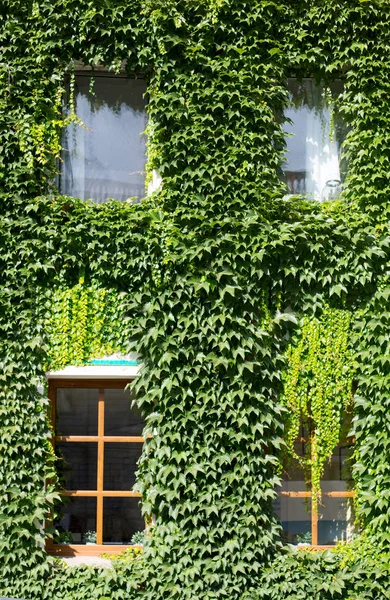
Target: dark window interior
(98, 442)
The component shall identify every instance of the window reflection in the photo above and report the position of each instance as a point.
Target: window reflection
(106, 157)
(295, 518)
(334, 520)
(312, 164)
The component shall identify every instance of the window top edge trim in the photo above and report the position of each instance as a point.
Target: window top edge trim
(95, 372)
(104, 74)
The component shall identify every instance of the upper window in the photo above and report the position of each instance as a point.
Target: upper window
(315, 131)
(104, 154)
(98, 441)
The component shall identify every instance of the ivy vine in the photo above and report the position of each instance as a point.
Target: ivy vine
(210, 274)
(84, 322)
(318, 389)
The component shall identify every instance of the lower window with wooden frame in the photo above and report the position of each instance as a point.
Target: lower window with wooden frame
(98, 441)
(333, 521)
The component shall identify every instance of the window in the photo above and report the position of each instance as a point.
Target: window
(312, 164)
(104, 157)
(334, 520)
(98, 441)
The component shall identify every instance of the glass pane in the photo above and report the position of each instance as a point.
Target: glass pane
(121, 519)
(78, 517)
(335, 520)
(294, 515)
(77, 465)
(77, 411)
(340, 467)
(119, 418)
(120, 465)
(292, 468)
(106, 157)
(312, 164)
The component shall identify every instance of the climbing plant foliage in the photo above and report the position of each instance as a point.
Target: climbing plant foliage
(318, 389)
(224, 284)
(84, 322)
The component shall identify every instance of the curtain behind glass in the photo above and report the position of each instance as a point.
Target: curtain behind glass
(106, 158)
(312, 165)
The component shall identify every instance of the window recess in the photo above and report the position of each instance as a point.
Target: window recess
(98, 441)
(104, 150)
(313, 165)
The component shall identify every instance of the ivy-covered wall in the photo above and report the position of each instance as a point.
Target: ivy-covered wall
(215, 274)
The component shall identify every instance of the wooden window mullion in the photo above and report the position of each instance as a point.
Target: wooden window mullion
(53, 399)
(100, 470)
(314, 505)
(314, 524)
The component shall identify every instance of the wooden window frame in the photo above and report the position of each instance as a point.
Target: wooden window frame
(314, 546)
(101, 439)
(314, 515)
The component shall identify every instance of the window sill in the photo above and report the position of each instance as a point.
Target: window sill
(310, 548)
(75, 550)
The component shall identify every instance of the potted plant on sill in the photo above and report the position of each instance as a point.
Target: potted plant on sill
(89, 538)
(304, 539)
(138, 538)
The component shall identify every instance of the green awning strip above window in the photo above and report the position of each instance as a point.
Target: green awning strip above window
(113, 363)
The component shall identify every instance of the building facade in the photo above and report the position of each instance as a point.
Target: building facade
(194, 203)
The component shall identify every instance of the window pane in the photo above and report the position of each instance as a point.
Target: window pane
(106, 158)
(335, 520)
(120, 465)
(78, 517)
(77, 466)
(295, 517)
(121, 519)
(340, 466)
(77, 411)
(119, 418)
(312, 165)
(292, 468)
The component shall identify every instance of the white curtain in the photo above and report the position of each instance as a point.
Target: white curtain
(106, 159)
(312, 156)
(322, 161)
